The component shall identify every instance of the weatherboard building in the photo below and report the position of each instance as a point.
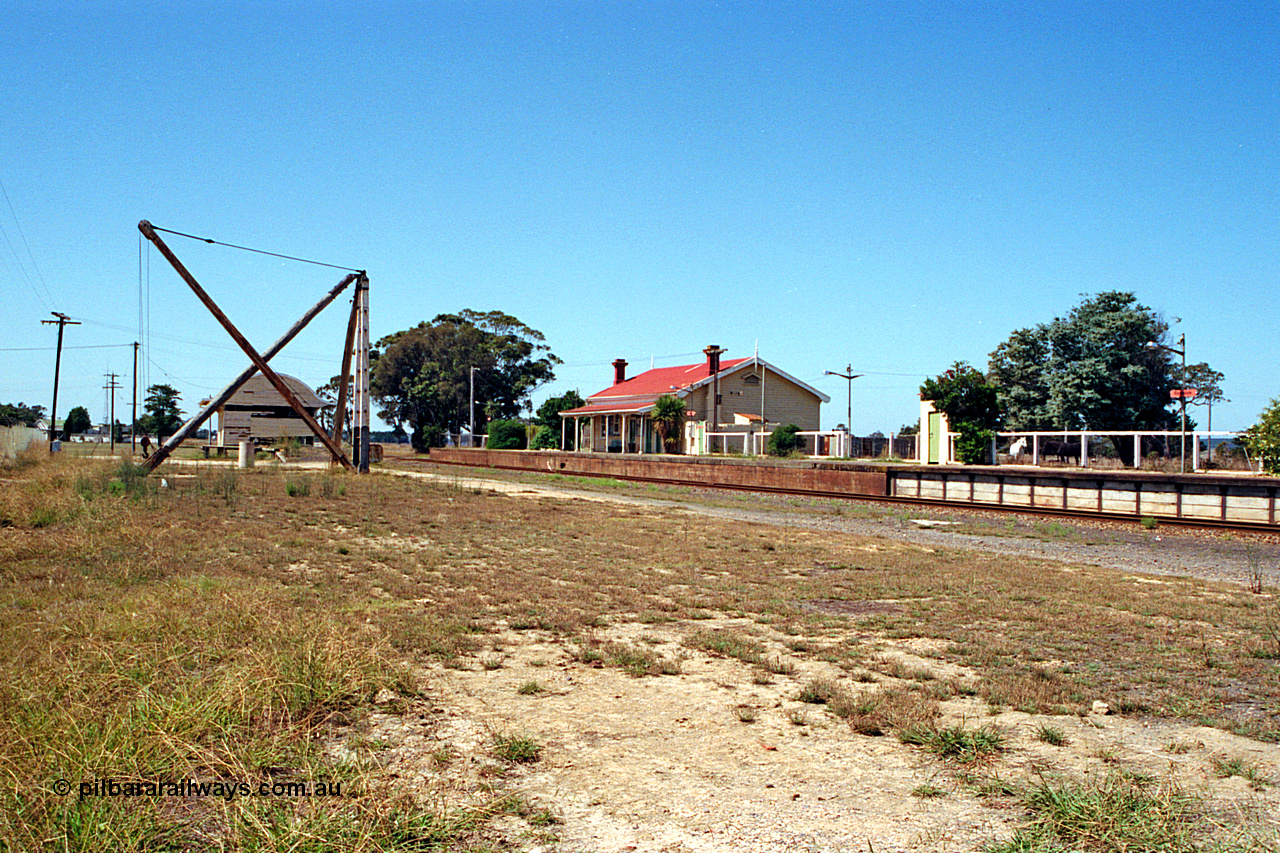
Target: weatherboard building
(728, 405)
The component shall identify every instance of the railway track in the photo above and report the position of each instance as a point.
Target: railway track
(1230, 526)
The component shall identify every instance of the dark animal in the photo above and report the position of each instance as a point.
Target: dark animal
(1064, 451)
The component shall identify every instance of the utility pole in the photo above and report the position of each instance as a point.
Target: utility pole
(133, 426)
(849, 375)
(360, 397)
(63, 320)
(111, 386)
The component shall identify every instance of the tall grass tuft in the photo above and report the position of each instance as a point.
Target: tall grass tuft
(1107, 814)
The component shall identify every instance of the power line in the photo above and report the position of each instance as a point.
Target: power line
(50, 349)
(21, 269)
(256, 251)
(178, 378)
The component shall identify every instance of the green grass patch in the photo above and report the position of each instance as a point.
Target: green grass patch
(1112, 814)
(517, 749)
(956, 742)
(729, 644)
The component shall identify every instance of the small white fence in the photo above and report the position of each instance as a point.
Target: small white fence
(833, 444)
(1073, 447)
(752, 443)
(465, 439)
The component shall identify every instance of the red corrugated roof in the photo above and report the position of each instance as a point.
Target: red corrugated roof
(661, 380)
(620, 407)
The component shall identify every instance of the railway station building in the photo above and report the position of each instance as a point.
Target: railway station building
(729, 404)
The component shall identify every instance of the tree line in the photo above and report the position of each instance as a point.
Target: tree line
(1107, 364)
(161, 415)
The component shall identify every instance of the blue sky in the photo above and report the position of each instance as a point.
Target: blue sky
(895, 186)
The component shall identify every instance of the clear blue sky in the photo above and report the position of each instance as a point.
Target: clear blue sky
(895, 186)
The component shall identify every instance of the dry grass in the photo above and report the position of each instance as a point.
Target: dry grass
(216, 628)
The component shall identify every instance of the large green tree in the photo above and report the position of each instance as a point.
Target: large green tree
(163, 417)
(968, 400)
(421, 376)
(1092, 369)
(548, 414)
(77, 422)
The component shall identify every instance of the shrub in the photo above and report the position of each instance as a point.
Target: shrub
(427, 436)
(507, 435)
(785, 440)
(546, 439)
(973, 444)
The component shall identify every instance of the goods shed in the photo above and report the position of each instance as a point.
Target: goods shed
(257, 413)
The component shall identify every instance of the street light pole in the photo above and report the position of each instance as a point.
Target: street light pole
(850, 376)
(471, 402)
(1182, 397)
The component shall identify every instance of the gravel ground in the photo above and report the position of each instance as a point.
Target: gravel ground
(667, 764)
(1208, 555)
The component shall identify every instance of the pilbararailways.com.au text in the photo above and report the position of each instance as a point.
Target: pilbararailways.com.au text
(225, 789)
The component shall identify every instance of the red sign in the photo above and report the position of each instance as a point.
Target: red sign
(1182, 393)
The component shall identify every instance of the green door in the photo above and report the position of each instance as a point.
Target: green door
(935, 437)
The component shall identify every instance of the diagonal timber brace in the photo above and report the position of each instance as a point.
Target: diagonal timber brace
(340, 413)
(162, 453)
(259, 363)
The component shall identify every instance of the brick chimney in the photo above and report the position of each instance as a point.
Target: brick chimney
(713, 359)
(713, 367)
(619, 371)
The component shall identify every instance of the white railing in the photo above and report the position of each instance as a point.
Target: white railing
(755, 443)
(465, 439)
(1072, 445)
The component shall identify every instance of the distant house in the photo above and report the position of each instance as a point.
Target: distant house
(257, 412)
(741, 396)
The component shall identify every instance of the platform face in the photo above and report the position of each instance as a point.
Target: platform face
(1190, 497)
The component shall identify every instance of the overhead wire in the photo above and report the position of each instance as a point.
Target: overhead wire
(51, 349)
(180, 379)
(22, 271)
(256, 251)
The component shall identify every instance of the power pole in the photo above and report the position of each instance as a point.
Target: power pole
(360, 399)
(63, 320)
(111, 386)
(133, 427)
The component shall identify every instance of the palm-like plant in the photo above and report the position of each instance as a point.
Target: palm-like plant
(667, 413)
